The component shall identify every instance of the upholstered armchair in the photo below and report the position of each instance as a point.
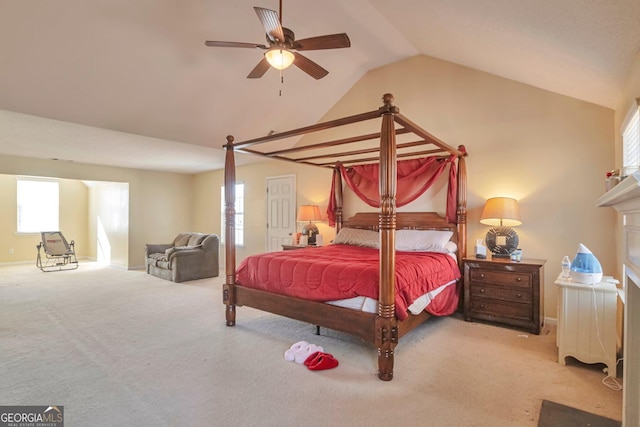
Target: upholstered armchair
(190, 256)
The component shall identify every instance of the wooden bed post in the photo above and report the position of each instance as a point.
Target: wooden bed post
(337, 186)
(386, 333)
(228, 292)
(462, 204)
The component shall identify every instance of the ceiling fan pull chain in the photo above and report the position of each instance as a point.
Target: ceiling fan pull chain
(281, 82)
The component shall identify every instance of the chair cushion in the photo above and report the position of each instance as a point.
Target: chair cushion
(163, 264)
(153, 259)
(196, 239)
(157, 256)
(159, 260)
(182, 239)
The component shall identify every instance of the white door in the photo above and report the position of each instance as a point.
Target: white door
(281, 211)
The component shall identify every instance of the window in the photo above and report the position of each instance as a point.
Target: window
(38, 203)
(239, 215)
(631, 139)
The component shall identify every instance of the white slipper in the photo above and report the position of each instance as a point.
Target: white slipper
(302, 355)
(290, 354)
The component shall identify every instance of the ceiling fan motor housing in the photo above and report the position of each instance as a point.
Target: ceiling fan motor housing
(289, 38)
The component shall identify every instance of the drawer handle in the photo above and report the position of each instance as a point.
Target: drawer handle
(482, 276)
(518, 295)
(481, 305)
(518, 279)
(482, 290)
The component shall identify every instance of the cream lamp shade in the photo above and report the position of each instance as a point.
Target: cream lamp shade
(501, 213)
(312, 214)
(279, 58)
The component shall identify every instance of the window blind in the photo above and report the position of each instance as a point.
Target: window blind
(631, 137)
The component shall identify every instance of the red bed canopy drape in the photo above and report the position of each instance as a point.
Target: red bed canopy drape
(415, 176)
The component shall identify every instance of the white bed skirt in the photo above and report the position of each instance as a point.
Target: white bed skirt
(370, 305)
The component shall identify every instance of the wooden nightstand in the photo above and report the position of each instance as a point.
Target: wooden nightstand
(506, 292)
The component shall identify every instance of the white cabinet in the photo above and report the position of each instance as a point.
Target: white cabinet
(587, 322)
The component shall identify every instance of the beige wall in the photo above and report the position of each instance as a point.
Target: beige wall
(159, 203)
(73, 221)
(547, 150)
(313, 185)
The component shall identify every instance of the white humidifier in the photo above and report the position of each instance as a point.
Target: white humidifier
(585, 267)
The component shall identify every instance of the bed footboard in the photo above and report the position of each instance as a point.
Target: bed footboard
(382, 332)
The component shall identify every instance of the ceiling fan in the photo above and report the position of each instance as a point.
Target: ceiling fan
(282, 47)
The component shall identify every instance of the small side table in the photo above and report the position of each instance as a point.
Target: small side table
(587, 321)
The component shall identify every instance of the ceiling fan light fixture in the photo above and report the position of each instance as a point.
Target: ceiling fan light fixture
(279, 58)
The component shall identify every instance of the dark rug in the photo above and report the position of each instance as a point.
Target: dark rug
(556, 415)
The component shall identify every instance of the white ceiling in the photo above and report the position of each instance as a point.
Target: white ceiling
(110, 82)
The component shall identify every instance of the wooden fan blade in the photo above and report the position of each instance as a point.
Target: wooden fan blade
(309, 67)
(259, 70)
(234, 44)
(271, 23)
(331, 41)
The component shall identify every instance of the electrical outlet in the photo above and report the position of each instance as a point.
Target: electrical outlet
(11, 251)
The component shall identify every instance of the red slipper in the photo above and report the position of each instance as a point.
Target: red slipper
(323, 361)
(312, 357)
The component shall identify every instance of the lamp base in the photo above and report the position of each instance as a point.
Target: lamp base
(503, 256)
(310, 230)
(501, 241)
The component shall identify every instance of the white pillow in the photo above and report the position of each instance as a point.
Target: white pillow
(357, 237)
(423, 240)
(451, 247)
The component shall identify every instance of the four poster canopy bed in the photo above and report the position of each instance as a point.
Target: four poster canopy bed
(409, 267)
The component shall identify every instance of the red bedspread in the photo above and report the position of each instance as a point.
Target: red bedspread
(341, 271)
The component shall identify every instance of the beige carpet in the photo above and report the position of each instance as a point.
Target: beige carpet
(121, 348)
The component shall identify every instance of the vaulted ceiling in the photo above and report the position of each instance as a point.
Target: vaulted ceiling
(110, 82)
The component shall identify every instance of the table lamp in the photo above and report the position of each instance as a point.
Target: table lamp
(501, 213)
(310, 213)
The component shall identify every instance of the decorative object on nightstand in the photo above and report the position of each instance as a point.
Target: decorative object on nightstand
(310, 213)
(480, 249)
(501, 213)
(587, 317)
(505, 292)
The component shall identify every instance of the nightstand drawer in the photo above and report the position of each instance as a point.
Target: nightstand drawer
(511, 294)
(500, 277)
(482, 308)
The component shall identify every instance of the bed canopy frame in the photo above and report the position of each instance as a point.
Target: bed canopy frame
(382, 329)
